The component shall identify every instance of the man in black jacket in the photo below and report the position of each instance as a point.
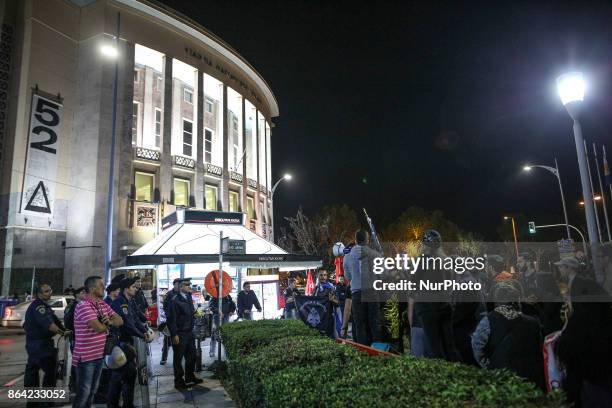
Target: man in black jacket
(180, 324)
(246, 300)
(140, 297)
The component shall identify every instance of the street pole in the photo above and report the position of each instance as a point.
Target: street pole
(603, 196)
(588, 165)
(563, 200)
(111, 173)
(285, 177)
(220, 296)
(515, 240)
(33, 279)
(584, 247)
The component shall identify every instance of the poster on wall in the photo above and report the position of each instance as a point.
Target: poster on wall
(39, 183)
(146, 216)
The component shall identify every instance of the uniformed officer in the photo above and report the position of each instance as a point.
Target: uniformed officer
(180, 323)
(123, 379)
(140, 298)
(40, 326)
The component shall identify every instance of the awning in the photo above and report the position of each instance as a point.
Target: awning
(193, 241)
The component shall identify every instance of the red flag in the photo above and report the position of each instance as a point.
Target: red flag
(339, 268)
(310, 285)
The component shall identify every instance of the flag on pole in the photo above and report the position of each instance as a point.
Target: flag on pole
(310, 285)
(606, 168)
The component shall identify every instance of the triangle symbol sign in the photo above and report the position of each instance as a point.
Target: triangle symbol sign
(39, 202)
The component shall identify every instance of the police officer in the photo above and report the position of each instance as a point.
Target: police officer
(180, 323)
(123, 379)
(40, 326)
(140, 298)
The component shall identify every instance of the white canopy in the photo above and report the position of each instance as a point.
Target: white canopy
(193, 237)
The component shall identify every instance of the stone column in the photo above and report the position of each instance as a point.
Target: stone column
(198, 189)
(165, 170)
(224, 190)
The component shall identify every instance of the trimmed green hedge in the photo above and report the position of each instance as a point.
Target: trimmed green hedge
(401, 382)
(292, 352)
(242, 337)
(286, 364)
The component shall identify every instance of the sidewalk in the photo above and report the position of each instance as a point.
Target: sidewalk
(162, 393)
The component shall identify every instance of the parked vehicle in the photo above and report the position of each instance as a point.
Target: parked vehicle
(14, 315)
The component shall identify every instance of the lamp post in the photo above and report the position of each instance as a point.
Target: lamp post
(111, 52)
(555, 171)
(514, 234)
(286, 177)
(571, 91)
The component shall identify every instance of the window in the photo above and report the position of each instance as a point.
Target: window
(144, 183)
(181, 192)
(159, 83)
(233, 201)
(158, 127)
(187, 137)
(208, 105)
(211, 197)
(135, 110)
(261, 211)
(250, 208)
(208, 141)
(136, 75)
(188, 95)
(235, 141)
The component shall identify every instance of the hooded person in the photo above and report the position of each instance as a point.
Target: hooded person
(508, 339)
(584, 346)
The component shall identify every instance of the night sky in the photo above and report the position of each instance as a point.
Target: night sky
(390, 105)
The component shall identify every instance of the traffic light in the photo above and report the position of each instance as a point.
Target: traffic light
(532, 227)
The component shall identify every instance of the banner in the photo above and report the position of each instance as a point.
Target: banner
(39, 184)
(316, 312)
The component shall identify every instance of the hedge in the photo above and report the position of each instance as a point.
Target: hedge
(242, 337)
(401, 382)
(250, 371)
(286, 364)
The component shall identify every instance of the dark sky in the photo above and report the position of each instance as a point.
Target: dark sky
(433, 105)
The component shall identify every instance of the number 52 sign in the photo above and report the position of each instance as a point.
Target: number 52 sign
(38, 194)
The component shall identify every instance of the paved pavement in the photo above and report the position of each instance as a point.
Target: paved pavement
(161, 389)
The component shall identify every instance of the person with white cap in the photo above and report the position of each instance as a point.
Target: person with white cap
(585, 344)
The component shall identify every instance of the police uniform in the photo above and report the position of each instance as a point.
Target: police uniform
(180, 323)
(123, 379)
(42, 354)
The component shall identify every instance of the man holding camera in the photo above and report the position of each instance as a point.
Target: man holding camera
(92, 320)
(180, 323)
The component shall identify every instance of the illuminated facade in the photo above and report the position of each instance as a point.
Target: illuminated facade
(193, 130)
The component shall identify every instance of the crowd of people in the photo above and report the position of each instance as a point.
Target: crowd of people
(503, 325)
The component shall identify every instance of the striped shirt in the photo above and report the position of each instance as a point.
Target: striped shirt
(89, 344)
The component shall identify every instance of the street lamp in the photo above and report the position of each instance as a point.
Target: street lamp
(286, 177)
(112, 52)
(571, 87)
(555, 171)
(506, 217)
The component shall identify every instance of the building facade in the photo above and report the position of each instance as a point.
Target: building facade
(193, 129)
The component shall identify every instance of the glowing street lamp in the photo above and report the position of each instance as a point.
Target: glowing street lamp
(555, 171)
(506, 218)
(286, 177)
(571, 88)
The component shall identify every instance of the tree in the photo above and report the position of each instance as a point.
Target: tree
(317, 235)
(414, 221)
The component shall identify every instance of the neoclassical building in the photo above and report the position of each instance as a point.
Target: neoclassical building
(193, 129)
